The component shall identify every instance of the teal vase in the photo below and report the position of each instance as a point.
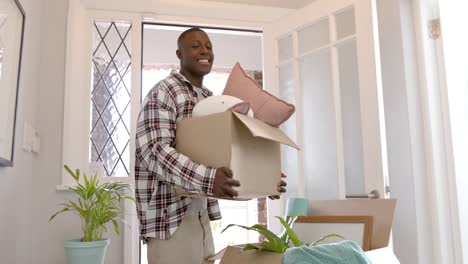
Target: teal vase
(297, 206)
(78, 252)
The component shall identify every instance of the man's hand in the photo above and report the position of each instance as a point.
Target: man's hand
(224, 182)
(280, 189)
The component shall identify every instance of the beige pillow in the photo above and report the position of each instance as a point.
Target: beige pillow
(266, 107)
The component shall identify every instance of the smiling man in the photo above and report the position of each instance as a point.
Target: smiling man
(177, 229)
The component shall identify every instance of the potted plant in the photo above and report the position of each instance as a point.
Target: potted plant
(269, 251)
(98, 204)
(275, 243)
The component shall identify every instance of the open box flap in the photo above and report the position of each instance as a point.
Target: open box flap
(260, 129)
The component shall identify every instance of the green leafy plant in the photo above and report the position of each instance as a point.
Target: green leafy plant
(275, 243)
(97, 204)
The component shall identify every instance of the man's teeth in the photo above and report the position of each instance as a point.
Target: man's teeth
(204, 61)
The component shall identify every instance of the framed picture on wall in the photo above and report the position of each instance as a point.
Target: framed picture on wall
(11, 42)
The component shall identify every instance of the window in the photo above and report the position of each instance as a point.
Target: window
(110, 98)
(99, 101)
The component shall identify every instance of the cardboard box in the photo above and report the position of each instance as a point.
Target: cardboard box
(249, 147)
(235, 255)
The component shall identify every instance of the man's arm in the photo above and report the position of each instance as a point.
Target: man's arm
(155, 139)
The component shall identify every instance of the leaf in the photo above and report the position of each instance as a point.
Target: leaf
(325, 237)
(116, 227)
(75, 176)
(284, 234)
(250, 247)
(86, 181)
(273, 238)
(290, 233)
(127, 197)
(276, 244)
(61, 211)
(267, 246)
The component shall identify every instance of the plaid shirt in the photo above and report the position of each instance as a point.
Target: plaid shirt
(158, 166)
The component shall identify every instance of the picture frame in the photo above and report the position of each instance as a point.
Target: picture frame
(12, 21)
(355, 228)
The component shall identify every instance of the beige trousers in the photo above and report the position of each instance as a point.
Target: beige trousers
(191, 243)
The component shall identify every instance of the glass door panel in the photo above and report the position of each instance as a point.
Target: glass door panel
(319, 129)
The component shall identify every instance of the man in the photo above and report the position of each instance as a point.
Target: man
(177, 229)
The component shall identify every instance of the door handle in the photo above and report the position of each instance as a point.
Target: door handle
(374, 194)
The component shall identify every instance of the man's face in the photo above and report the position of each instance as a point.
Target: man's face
(196, 53)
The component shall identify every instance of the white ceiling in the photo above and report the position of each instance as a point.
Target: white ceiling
(291, 4)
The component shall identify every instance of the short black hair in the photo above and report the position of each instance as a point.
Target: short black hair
(182, 36)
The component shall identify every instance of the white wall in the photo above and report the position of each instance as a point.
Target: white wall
(197, 11)
(48, 237)
(27, 191)
(16, 184)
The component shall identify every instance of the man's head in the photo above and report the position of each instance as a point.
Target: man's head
(195, 52)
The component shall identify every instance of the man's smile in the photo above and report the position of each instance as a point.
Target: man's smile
(204, 61)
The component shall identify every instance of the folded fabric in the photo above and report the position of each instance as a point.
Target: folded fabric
(346, 252)
(266, 107)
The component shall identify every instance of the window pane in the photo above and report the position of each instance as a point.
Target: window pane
(110, 97)
(286, 82)
(289, 156)
(351, 118)
(345, 24)
(319, 128)
(235, 212)
(314, 36)
(285, 48)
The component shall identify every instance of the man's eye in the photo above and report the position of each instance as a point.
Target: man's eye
(195, 46)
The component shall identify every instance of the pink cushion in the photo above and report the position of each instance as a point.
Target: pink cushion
(266, 107)
(242, 108)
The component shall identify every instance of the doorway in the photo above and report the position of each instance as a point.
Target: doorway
(159, 58)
